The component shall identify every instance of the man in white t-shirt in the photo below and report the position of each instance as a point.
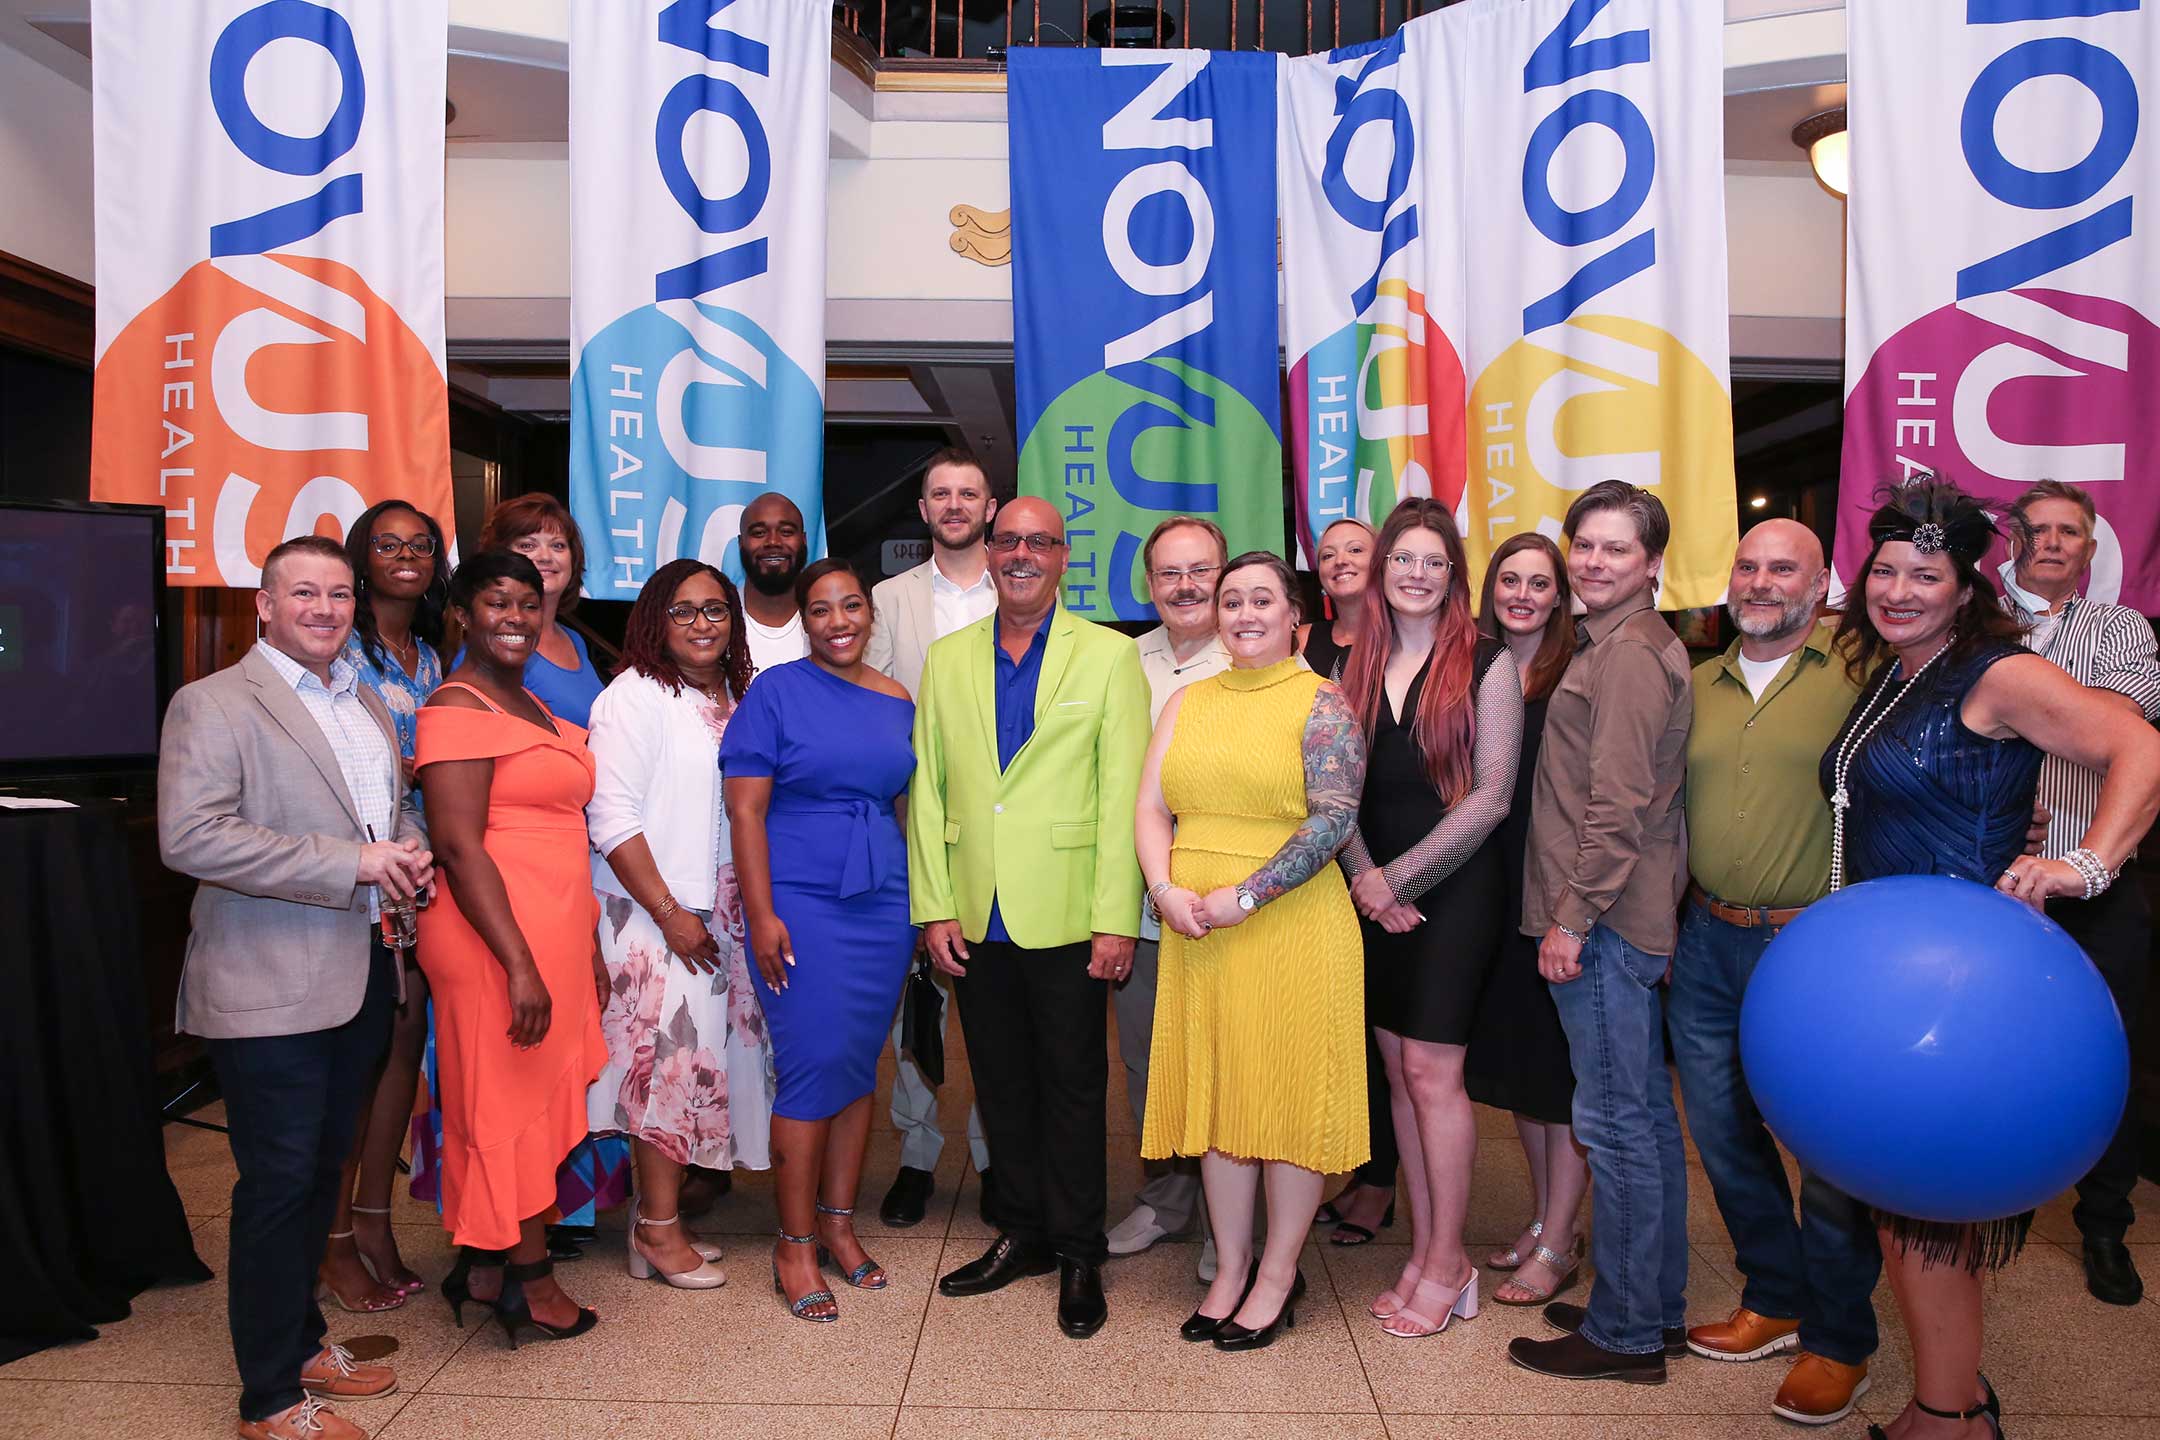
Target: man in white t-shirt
(773, 545)
(1183, 559)
(949, 591)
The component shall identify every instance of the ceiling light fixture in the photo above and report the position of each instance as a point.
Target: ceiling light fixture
(1825, 139)
(1758, 502)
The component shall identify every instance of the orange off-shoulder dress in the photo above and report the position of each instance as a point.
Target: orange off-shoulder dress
(509, 1115)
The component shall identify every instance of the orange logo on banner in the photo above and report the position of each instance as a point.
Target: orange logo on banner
(262, 397)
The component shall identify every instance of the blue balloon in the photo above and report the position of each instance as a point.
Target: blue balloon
(1935, 1048)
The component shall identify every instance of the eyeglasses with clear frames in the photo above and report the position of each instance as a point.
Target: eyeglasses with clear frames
(1005, 542)
(420, 547)
(1402, 562)
(1190, 572)
(712, 610)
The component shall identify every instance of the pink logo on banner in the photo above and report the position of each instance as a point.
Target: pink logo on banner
(2008, 389)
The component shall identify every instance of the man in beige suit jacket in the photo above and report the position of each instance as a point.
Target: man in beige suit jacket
(948, 592)
(279, 789)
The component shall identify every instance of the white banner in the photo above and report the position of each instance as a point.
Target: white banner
(1568, 155)
(698, 157)
(1374, 302)
(269, 269)
(2000, 302)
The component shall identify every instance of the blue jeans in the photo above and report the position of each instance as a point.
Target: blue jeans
(1624, 1117)
(1821, 1271)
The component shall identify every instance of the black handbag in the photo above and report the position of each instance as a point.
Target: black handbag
(922, 1017)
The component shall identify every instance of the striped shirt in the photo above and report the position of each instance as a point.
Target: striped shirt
(2107, 647)
(364, 754)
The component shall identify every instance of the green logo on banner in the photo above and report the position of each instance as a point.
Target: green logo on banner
(1118, 459)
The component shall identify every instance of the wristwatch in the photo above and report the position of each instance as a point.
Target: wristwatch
(1245, 900)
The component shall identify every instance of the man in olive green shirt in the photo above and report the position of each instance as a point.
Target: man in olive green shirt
(1758, 851)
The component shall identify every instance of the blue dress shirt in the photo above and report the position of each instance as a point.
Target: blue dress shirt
(1013, 685)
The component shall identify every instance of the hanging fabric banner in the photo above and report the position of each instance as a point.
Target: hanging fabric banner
(2000, 305)
(1569, 155)
(1144, 303)
(1373, 301)
(269, 270)
(698, 156)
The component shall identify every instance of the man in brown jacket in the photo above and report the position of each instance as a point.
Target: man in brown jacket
(1606, 864)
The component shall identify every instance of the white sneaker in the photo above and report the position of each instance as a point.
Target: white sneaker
(1136, 1231)
(1207, 1266)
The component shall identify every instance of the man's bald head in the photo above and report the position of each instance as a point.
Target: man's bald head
(1778, 582)
(773, 544)
(1027, 557)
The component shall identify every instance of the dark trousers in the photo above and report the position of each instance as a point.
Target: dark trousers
(292, 1103)
(2115, 931)
(1038, 1042)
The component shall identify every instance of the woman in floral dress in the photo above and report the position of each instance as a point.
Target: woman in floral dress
(689, 1076)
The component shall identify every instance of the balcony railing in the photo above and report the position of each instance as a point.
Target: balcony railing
(975, 34)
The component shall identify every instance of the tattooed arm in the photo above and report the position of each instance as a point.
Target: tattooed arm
(1334, 749)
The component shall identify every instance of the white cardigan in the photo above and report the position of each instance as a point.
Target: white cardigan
(657, 774)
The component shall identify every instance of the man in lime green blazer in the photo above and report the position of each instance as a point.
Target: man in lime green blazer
(1030, 730)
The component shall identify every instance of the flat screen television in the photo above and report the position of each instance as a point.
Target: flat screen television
(81, 661)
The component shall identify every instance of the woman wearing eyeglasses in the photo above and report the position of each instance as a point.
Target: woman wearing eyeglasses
(397, 622)
(1442, 707)
(688, 1072)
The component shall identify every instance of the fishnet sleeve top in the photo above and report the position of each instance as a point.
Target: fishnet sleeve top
(1495, 747)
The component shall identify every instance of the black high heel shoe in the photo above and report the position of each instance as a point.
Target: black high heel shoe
(515, 1313)
(1991, 1407)
(457, 1287)
(1234, 1337)
(1203, 1327)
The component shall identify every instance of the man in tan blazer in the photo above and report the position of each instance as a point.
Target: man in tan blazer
(948, 592)
(279, 789)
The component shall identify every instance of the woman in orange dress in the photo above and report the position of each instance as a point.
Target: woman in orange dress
(508, 949)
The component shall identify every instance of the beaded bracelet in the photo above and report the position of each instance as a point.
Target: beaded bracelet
(2093, 869)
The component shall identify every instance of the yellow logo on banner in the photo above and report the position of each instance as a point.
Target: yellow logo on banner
(1601, 397)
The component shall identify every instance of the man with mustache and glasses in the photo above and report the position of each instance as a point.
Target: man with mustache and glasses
(773, 547)
(1030, 730)
(2108, 647)
(1183, 559)
(949, 591)
(1758, 852)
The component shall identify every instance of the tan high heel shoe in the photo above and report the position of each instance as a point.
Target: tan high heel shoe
(707, 1276)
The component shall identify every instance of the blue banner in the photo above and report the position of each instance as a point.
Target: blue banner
(1145, 333)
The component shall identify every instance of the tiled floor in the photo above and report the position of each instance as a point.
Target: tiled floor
(909, 1363)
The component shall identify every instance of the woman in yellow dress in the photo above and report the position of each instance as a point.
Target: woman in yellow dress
(1251, 788)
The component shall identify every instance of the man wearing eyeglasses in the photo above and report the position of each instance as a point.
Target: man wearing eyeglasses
(1030, 728)
(1183, 558)
(948, 592)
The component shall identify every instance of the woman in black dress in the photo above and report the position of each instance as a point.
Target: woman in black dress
(1934, 773)
(1518, 1058)
(1343, 561)
(1442, 710)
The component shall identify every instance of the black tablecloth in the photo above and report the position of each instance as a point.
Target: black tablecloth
(88, 1216)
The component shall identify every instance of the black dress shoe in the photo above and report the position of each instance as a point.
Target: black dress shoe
(906, 1201)
(1005, 1261)
(1567, 1319)
(2110, 1274)
(1081, 1307)
(1199, 1326)
(1573, 1358)
(982, 1196)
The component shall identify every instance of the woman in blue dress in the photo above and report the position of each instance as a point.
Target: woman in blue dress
(399, 595)
(1934, 774)
(596, 1175)
(817, 755)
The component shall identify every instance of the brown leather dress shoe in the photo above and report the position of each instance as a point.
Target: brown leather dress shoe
(1746, 1336)
(309, 1420)
(1818, 1391)
(333, 1372)
(1573, 1358)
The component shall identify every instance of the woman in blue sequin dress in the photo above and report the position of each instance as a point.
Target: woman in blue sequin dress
(1934, 774)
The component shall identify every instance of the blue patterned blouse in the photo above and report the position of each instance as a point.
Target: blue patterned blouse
(401, 693)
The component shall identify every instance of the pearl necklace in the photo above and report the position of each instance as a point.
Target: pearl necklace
(1849, 750)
